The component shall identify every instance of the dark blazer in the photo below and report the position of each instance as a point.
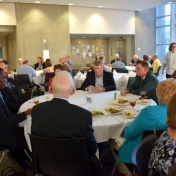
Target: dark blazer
(60, 119)
(13, 97)
(108, 81)
(149, 85)
(9, 130)
(112, 61)
(36, 66)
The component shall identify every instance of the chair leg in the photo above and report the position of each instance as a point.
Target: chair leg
(28, 155)
(115, 165)
(3, 153)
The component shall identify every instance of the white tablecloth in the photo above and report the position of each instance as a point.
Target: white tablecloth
(105, 127)
(130, 68)
(117, 78)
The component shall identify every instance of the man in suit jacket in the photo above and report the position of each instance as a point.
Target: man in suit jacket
(59, 119)
(100, 80)
(11, 136)
(145, 81)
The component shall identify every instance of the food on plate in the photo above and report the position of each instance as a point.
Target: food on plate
(122, 101)
(145, 101)
(129, 114)
(113, 109)
(95, 113)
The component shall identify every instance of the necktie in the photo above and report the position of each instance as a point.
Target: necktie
(5, 108)
(8, 84)
(142, 82)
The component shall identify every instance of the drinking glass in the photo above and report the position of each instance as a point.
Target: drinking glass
(122, 91)
(90, 89)
(36, 100)
(132, 103)
(47, 95)
(143, 94)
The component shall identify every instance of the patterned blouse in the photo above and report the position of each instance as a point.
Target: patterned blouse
(163, 155)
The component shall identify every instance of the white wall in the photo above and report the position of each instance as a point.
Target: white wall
(7, 14)
(101, 21)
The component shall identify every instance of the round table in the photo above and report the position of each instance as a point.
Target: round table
(106, 126)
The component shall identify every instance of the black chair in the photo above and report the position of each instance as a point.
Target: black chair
(131, 80)
(141, 154)
(151, 69)
(23, 81)
(157, 73)
(48, 76)
(155, 132)
(58, 157)
(120, 70)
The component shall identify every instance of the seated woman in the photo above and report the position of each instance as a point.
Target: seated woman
(40, 65)
(163, 156)
(57, 68)
(151, 117)
(49, 67)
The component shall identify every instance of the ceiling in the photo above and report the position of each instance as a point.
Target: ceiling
(134, 5)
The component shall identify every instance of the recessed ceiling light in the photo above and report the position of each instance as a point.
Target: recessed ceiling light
(169, 2)
(100, 6)
(83, 37)
(139, 9)
(70, 4)
(37, 2)
(101, 37)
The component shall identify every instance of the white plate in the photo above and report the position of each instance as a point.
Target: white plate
(104, 113)
(114, 113)
(120, 104)
(132, 116)
(144, 103)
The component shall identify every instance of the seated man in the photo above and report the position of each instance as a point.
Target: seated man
(60, 123)
(26, 69)
(11, 135)
(100, 81)
(116, 56)
(11, 93)
(118, 63)
(67, 59)
(134, 60)
(145, 81)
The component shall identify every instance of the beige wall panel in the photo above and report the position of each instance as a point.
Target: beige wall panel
(39, 28)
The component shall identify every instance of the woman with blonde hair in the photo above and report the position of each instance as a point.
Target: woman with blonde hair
(163, 156)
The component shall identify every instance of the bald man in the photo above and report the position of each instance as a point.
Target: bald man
(134, 60)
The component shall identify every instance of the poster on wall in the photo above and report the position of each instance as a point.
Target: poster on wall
(93, 51)
(84, 48)
(97, 49)
(45, 54)
(73, 53)
(93, 47)
(73, 47)
(84, 54)
(78, 55)
(90, 54)
(102, 49)
(87, 46)
(77, 50)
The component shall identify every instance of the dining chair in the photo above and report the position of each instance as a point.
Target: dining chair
(120, 70)
(151, 69)
(131, 80)
(157, 73)
(58, 157)
(141, 154)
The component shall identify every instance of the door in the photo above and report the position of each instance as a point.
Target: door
(121, 49)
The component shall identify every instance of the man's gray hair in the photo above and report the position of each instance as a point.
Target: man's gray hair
(62, 85)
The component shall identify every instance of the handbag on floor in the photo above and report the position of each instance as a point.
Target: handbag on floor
(10, 171)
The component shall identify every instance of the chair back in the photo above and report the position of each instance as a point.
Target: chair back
(141, 154)
(157, 74)
(48, 76)
(131, 80)
(58, 157)
(22, 81)
(120, 70)
(151, 68)
(155, 132)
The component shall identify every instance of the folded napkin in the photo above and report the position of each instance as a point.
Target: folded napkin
(114, 71)
(78, 75)
(120, 141)
(132, 74)
(123, 78)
